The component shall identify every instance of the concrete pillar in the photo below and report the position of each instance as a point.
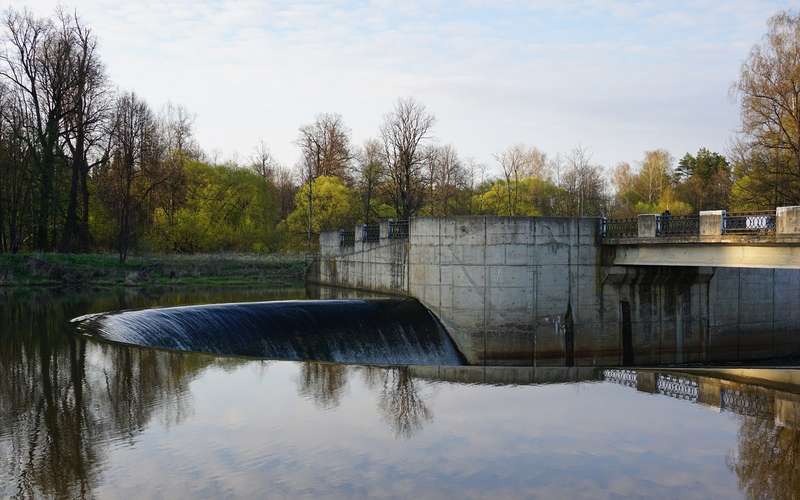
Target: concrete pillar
(787, 220)
(647, 225)
(711, 222)
(384, 230)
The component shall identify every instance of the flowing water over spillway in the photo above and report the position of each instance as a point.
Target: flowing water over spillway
(378, 331)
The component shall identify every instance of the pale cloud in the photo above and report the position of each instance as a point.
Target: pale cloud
(617, 77)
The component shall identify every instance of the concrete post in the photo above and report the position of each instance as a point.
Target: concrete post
(787, 220)
(711, 222)
(648, 225)
(384, 230)
(358, 230)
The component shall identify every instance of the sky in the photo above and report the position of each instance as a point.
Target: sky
(616, 78)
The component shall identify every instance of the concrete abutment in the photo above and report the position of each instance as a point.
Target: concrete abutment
(541, 291)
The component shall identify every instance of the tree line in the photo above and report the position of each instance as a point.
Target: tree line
(85, 166)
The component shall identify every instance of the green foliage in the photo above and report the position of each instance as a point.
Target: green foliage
(527, 197)
(334, 206)
(223, 208)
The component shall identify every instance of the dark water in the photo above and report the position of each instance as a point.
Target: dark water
(83, 418)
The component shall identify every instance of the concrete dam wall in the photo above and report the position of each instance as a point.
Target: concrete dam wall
(540, 291)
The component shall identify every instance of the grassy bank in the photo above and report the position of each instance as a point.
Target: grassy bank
(50, 269)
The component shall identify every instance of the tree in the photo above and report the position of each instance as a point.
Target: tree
(263, 163)
(513, 163)
(447, 179)
(37, 61)
(583, 186)
(403, 133)
(769, 94)
(370, 173)
(133, 133)
(86, 134)
(703, 181)
(325, 151)
(335, 203)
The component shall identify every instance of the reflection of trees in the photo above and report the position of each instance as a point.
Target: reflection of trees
(322, 382)
(768, 462)
(400, 402)
(62, 400)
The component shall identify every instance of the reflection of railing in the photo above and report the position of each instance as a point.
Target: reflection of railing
(746, 403)
(398, 230)
(371, 233)
(347, 238)
(684, 225)
(619, 228)
(749, 223)
(744, 400)
(677, 387)
(622, 377)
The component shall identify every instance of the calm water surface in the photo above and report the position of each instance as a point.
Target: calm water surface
(81, 418)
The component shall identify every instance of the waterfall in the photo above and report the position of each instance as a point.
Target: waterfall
(382, 331)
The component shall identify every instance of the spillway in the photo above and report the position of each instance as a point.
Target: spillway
(383, 331)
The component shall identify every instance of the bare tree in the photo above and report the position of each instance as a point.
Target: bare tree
(448, 178)
(583, 184)
(403, 134)
(769, 93)
(370, 172)
(513, 162)
(86, 129)
(134, 128)
(325, 146)
(37, 60)
(263, 163)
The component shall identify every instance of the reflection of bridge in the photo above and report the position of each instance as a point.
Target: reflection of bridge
(712, 238)
(742, 399)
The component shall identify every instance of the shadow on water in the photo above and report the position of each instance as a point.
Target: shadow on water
(67, 402)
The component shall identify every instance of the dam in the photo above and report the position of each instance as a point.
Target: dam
(553, 291)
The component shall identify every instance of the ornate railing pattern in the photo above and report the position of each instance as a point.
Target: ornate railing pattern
(751, 404)
(347, 238)
(398, 229)
(371, 233)
(621, 377)
(749, 223)
(677, 387)
(619, 228)
(685, 225)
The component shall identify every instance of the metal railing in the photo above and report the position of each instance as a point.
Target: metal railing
(749, 222)
(672, 225)
(619, 228)
(371, 233)
(347, 238)
(398, 230)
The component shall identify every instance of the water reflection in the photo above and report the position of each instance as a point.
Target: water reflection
(767, 462)
(70, 408)
(322, 382)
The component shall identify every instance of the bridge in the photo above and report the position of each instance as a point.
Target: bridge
(769, 239)
(556, 291)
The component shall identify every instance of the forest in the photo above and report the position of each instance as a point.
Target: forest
(87, 167)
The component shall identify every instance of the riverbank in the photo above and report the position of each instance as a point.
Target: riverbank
(51, 269)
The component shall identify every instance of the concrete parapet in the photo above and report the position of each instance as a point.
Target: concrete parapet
(711, 222)
(787, 220)
(647, 225)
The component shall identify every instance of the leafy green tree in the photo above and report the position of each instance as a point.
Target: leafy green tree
(704, 181)
(336, 207)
